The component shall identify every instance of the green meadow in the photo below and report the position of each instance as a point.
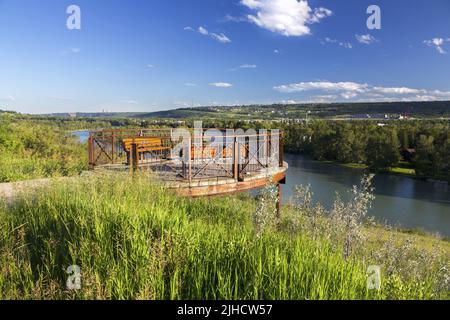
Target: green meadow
(135, 240)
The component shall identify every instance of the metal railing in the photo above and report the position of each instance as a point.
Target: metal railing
(187, 155)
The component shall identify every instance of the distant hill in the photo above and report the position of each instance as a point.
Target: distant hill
(434, 109)
(292, 111)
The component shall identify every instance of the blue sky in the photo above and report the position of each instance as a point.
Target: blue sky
(141, 55)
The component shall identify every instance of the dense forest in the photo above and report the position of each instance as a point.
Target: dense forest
(421, 145)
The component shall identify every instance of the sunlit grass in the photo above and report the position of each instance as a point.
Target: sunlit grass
(134, 240)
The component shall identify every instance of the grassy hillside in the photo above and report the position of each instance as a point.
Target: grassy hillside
(432, 109)
(31, 149)
(134, 240)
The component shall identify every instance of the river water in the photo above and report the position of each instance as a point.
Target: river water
(400, 201)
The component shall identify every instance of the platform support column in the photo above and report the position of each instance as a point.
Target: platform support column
(279, 198)
(281, 151)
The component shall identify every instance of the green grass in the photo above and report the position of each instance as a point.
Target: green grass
(32, 149)
(404, 171)
(395, 170)
(134, 240)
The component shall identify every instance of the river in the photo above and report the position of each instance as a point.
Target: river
(400, 201)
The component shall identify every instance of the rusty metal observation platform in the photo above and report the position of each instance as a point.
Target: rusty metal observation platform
(194, 162)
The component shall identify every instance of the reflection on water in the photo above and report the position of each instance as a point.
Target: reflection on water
(400, 201)
(82, 135)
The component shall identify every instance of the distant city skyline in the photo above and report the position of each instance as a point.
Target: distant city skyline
(145, 56)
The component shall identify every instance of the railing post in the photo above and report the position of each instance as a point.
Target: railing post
(113, 142)
(281, 150)
(236, 159)
(134, 156)
(189, 154)
(91, 152)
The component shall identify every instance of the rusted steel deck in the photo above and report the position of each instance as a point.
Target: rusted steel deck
(194, 162)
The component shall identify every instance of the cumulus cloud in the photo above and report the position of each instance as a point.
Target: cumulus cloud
(220, 37)
(365, 38)
(221, 85)
(401, 90)
(438, 44)
(322, 85)
(364, 91)
(290, 18)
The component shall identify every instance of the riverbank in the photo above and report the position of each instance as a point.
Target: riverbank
(401, 171)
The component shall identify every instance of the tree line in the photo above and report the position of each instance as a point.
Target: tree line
(379, 146)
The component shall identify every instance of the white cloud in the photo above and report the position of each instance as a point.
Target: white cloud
(276, 51)
(151, 66)
(346, 45)
(230, 18)
(437, 43)
(245, 66)
(203, 31)
(134, 102)
(289, 102)
(441, 94)
(220, 37)
(348, 95)
(221, 85)
(322, 85)
(9, 98)
(364, 91)
(401, 90)
(365, 38)
(286, 17)
(320, 13)
(188, 84)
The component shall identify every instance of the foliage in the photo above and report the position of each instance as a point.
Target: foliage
(38, 149)
(377, 147)
(153, 245)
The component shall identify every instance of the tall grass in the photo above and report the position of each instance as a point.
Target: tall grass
(134, 240)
